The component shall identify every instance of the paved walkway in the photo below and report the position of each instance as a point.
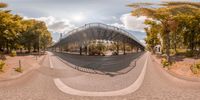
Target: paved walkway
(39, 85)
(100, 83)
(28, 63)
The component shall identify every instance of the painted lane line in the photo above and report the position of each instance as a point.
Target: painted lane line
(130, 89)
(51, 65)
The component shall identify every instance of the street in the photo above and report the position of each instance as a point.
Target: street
(40, 84)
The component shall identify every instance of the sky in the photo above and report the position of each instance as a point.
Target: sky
(62, 16)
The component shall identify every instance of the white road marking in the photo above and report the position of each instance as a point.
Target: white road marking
(130, 89)
(51, 65)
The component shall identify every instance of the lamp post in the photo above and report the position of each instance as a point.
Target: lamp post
(38, 44)
(60, 42)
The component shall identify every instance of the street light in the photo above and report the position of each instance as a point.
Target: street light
(60, 42)
(38, 44)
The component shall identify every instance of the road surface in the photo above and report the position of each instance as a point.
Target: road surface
(156, 85)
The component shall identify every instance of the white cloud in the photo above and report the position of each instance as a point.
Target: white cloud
(173, 0)
(117, 25)
(133, 22)
(114, 17)
(56, 25)
(130, 22)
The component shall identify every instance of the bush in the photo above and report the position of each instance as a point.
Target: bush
(172, 52)
(114, 53)
(2, 64)
(13, 53)
(2, 56)
(164, 62)
(97, 49)
(189, 54)
(1, 53)
(19, 69)
(195, 68)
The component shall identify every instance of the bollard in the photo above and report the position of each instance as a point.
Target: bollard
(20, 64)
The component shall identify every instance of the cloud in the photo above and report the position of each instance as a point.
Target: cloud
(174, 0)
(134, 25)
(56, 25)
(130, 22)
(133, 22)
(118, 25)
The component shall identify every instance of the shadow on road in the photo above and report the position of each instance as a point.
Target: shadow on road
(105, 65)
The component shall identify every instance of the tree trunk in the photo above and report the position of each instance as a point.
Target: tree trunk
(167, 37)
(168, 46)
(117, 47)
(124, 48)
(29, 47)
(175, 43)
(153, 50)
(192, 41)
(7, 47)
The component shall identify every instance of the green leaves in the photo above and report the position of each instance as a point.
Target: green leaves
(35, 34)
(16, 32)
(175, 24)
(10, 27)
(149, 12)
(168, 4)
(152, 38)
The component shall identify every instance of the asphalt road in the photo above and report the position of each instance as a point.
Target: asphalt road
(39, 84)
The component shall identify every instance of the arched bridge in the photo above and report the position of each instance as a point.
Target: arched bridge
(98, 31)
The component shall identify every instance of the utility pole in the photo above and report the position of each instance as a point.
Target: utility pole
(38, 44)
(60, 42)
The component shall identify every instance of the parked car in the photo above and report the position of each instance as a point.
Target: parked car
(114, 53)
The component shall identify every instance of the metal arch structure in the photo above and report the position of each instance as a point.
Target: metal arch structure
(98, 31)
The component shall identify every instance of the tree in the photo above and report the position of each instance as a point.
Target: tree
(15, 32)
(10, 28)
(35, 35)
(45, 39)
(189, 25)
(166, 15)
(152, 34)
(3, 5)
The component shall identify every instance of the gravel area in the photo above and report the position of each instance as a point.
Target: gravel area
(28, 63)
